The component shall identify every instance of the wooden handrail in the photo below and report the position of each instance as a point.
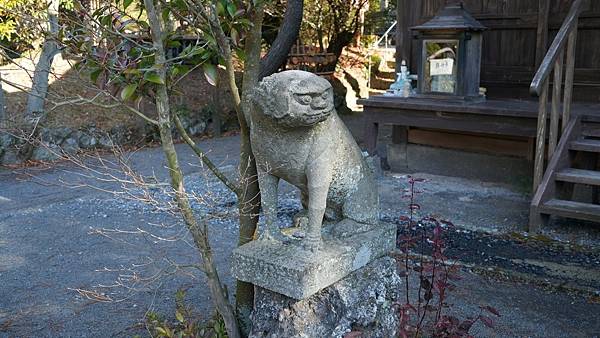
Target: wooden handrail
(554, 61)
(555, 49)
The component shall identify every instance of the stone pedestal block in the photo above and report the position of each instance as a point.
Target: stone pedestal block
(288, 269)
(363, 301)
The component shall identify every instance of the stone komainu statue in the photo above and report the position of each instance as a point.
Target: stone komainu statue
(297, 136)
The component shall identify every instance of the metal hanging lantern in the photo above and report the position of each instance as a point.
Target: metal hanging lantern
(450, 59)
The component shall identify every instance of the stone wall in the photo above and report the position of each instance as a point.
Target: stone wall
(51, 143)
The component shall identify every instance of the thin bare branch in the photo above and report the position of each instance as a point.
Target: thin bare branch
(233, 186)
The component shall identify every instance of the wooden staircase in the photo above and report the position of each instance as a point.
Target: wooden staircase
(572, 168)
(572, 150)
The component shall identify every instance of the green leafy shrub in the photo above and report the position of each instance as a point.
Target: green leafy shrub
(186, 324)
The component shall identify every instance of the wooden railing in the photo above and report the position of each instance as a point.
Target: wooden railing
(311, 59)
(554, 61)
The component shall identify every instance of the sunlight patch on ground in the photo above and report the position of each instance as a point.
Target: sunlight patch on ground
(21, 70)
(8, 262)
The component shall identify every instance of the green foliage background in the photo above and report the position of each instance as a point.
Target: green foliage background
(21, 24)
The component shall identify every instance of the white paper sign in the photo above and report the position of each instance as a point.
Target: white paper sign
(441, 66)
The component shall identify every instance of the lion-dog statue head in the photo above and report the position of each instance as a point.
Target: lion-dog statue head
(307, 99)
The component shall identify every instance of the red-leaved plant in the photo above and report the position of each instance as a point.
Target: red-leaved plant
(436, 276)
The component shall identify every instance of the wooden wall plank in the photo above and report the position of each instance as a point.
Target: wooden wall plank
(489, 7)
(542, 31)
(520, 7)
(471, 142)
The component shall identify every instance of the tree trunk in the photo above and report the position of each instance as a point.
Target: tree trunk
(2, 105)
(338, 41)
(287, 36)
(249, 199)
(217, 106)
(199, 234)
(361, 25)
(39, 88)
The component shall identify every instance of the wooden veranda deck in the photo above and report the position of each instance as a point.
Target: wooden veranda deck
(496, 117)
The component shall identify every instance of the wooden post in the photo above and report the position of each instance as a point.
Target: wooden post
(404, 13)
(541, 138)
(556, 96)
(370, 136)
(400, 138)
(542, 31)
(530, 149)
(569, 76)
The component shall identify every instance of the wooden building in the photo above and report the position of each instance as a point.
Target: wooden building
(540, 67)
(516, 41)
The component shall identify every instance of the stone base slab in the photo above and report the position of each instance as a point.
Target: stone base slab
(288, 269)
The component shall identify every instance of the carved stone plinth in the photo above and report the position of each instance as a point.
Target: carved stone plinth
(361, 302)
(288, 269)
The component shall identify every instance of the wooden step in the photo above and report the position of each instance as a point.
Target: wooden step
(570, 209)
(591, 132)
(586, 145)
(376, 92)
(380, 83)
(579, 176)
(386, 74)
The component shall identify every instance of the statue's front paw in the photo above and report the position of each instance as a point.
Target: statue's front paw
(265, 236)
(301, 220)
(311, 244)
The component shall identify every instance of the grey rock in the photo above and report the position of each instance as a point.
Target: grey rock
(106, 142)
(150, 132)
(87, 141)
(46, 135)
(206, 112)
(70, 145)
(119, 134)
(186, 121)
(63, 132)
(297, 136)
(10, 156)
(194, 124)
(363, 301)
(46, 152)
(197, 128)
(285, 268)
(6, 140)
(55, 135)
(8, 151)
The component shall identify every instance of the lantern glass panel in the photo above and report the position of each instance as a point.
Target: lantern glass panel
(440, 65)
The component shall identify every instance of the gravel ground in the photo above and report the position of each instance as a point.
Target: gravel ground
(486, 230)
(76, 261)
